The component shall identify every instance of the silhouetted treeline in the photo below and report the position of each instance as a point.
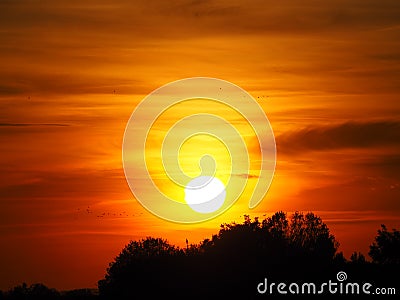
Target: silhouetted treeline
(39, 291)
(234, 261)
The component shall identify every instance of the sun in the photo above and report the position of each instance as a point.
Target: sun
(205, 194)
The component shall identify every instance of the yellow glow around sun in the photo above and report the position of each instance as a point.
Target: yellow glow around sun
(200, 145)
(195, 147)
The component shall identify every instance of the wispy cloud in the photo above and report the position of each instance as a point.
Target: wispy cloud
(32, 124)
(248, 176)
(72, 71)
(68, 45)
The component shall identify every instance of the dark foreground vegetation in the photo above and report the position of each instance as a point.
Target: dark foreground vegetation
(232, 263)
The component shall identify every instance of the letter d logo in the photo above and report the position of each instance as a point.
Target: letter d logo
(260, 286)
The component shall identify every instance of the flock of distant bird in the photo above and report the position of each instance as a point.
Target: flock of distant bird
(88, 210)
(114, 92)
(124, 214)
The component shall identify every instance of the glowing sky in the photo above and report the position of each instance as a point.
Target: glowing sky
(327, 74)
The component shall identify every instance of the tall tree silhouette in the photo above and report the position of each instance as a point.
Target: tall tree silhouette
(386, 247)
(311, 237)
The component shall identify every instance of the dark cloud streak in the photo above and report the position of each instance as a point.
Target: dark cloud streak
(345, 135)
(201, 17)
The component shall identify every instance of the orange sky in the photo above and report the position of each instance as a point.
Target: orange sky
(326, 74)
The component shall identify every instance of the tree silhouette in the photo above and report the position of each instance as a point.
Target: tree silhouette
(140, 267)
(302, 236)
(277, 225)
(311, 237)
(386, 247)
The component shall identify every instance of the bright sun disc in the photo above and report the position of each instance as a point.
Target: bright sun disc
(205, 194)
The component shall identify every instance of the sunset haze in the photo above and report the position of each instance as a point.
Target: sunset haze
(326, 74)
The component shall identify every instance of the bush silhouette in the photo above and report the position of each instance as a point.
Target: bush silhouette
(36, 291)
